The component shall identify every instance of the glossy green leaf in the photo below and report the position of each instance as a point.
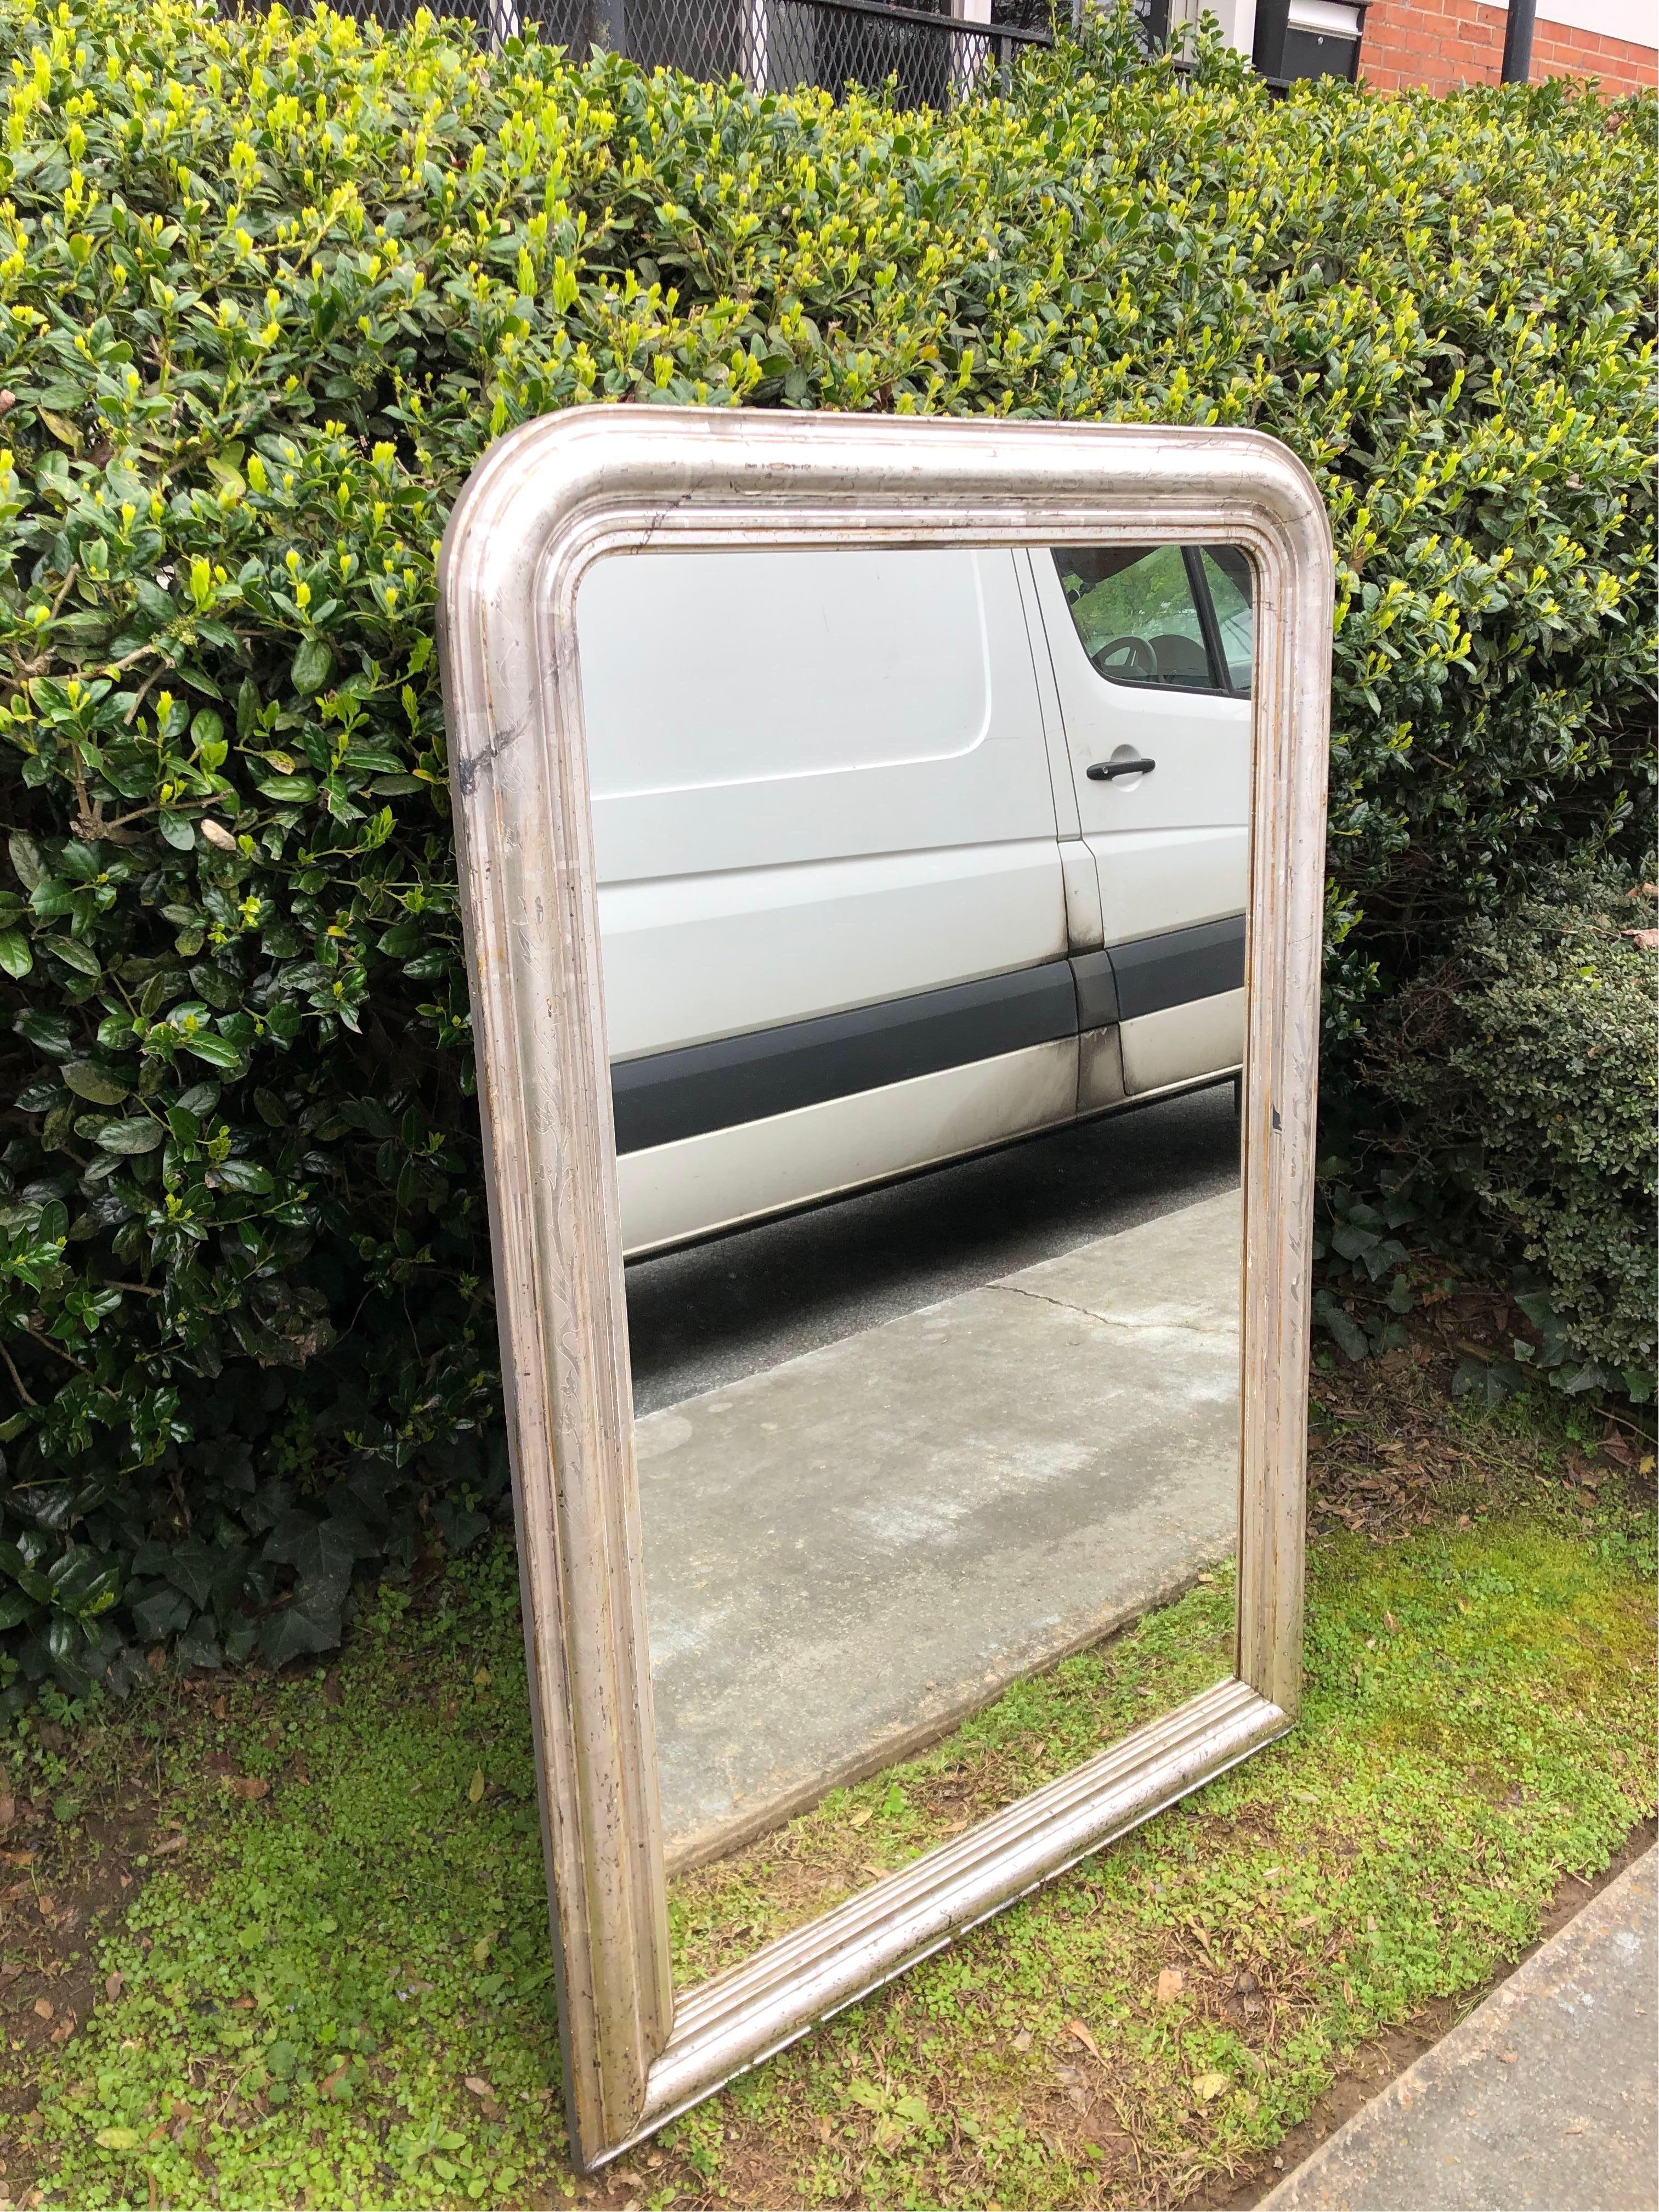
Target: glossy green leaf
(312, 664)
(217, 1051)
(245, 1175)
(135, 1135)
(89, 1080)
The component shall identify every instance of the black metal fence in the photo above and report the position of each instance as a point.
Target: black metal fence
(933, 57)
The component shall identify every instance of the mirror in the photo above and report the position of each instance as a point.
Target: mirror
(938, 1480)
(891, 858)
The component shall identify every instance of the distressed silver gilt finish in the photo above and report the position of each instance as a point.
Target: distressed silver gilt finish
(543, 504)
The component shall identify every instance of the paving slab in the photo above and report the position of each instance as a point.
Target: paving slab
(848, 1552)
(1544, 2097)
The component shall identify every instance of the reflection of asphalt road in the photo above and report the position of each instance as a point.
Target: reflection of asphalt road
(700, 1320)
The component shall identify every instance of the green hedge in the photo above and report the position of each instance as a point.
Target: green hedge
(269, 287)
(1522, 1064)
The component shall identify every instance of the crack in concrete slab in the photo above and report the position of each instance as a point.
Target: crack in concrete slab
(1107, 1320)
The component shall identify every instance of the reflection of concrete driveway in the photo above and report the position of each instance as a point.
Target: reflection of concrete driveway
(699, 1320)
(846, 1552)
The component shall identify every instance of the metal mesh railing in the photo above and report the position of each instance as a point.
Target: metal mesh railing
(932, 56)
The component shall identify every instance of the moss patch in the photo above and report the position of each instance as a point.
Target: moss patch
(333, 1989)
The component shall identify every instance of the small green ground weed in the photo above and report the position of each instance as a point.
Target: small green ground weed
(326, 1982)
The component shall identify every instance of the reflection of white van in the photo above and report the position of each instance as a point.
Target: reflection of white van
(904, 854)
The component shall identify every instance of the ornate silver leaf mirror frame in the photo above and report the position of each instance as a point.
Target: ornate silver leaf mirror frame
(543, 504)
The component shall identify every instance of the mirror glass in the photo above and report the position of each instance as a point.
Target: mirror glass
(922, 896)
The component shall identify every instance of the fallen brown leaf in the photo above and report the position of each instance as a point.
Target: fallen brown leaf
(1080, 2033)
(43, 2008)
(64, 2029)
(1170, 1983)
(480, 2087)
(169, 1843)
(113, 1985)
(248, 1787)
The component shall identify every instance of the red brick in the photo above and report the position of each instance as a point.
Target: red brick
(1435, 45)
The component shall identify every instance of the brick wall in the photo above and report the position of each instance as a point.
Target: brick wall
(1558, 50)
(1438, 44)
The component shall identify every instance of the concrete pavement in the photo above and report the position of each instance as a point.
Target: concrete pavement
(848, 1552)
(1544, 2097)
(701, 1319)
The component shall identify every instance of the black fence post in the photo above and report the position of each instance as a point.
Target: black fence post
(608, 25)
(1517, 41)
(1272, 21)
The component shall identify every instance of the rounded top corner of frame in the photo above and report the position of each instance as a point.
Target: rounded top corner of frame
(1286, 485)
(516, 465)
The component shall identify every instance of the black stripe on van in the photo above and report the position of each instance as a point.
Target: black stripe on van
(1171, 970)
(670, 1095)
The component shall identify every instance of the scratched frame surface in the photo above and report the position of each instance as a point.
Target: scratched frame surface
(543, 504)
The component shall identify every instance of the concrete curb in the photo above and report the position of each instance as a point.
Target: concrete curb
(1544, 2097)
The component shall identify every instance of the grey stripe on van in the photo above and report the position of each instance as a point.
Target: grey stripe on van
(1171, 970)
(670, 1095)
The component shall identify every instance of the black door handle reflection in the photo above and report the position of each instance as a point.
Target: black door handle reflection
(1107, 771)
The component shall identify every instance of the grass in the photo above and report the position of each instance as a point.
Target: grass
(1041, 1727)
(290, 1934)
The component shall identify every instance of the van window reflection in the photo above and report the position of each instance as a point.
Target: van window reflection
(1227, 574)
(1167, 616)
